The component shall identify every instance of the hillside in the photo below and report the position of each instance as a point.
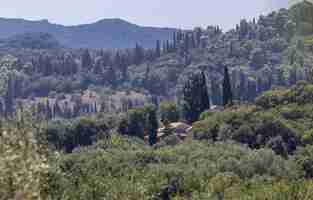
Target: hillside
(261, 54)
(204, 115)
(30, 41)
(106, 33)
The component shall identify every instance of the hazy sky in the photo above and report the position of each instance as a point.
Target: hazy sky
(165, 13)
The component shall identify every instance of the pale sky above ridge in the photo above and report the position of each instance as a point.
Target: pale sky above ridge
(160, 13)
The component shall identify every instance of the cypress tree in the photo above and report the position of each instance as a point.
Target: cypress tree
(139, 54)
(178, 36)
(216, 91)
(195, 97)
(227, 92)
(112, 78)
(174, 41)
(124, 67)
(117, 60)
(1, 109)
(48, 110)
(47, 66)
(186, 43)
(193, 41)
(9, 98)
(205, 99)
(86, 60)
(168, 49)
(158, 49)
(198, 36)
(152, 125)
(164, 49)
(57, 109)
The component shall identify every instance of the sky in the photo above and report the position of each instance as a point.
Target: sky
(160, 13)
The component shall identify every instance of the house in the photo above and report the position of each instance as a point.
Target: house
(179, 129)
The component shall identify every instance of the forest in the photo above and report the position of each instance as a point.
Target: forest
(205, 114)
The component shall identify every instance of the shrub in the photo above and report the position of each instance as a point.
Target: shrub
(169, 112)
(256, 129)
(301, 93)
(68, 135)
(304, 158)
(292, 112)
(272, 98)
(307, 138)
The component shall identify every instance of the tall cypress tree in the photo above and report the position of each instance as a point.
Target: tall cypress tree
(86, 60)
(48, 110)
(174, 41)
(139, 54)
(195, 97)
(198, 36)
(168, 49)
(193, 41)
(124, 67)
(152, 124)
(9, 98)
(205, 99)
(117, 60)
(112, 78)
(164, 48)
(227, 92)
(158, 49)
(186, 43)
(47, 66)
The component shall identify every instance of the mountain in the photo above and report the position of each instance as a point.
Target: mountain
(106, 33)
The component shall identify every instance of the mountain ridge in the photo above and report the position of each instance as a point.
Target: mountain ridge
(104, 33)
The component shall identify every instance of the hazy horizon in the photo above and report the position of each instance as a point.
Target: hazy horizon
(158, 13)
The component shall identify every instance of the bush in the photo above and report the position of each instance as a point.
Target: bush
(272, 99)
(307, 137)
(304, 158)
(301, 93)
(251, 127)
(292, 112)
(169, 112)
(68, 135)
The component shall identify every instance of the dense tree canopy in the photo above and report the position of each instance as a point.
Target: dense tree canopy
(109, 124)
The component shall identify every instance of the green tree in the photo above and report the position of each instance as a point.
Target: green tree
(86, 60)
(139, 55)
(243, 29)
(169, 111)
(174, 41)
(153, 125)
(9, 98)
(195, 97)
(112, 76)
(136, 122)
(227, 92)
(140, 121)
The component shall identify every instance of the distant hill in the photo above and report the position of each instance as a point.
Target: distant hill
(107, 33)
(31, 41)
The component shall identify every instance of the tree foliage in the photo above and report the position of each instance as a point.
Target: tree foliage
(195, 97)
